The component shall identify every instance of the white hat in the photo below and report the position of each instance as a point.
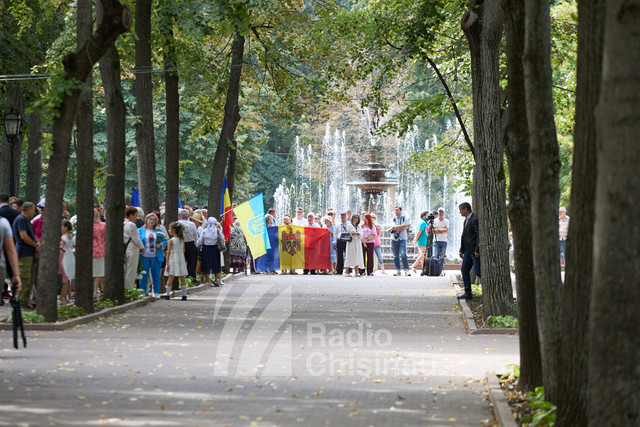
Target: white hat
(161, 212)
(441, 209)
(41, 203)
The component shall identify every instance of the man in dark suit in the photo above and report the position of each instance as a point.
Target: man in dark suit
(7, 211)
(469, 248)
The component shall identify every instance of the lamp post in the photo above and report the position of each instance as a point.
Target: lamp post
(11, 130)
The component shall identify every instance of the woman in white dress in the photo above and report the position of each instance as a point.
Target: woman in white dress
(68, 261)
(353, 253)
(176, 264)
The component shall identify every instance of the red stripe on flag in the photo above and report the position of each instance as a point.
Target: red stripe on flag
(317, 252)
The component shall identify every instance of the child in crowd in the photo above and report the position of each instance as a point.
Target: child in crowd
(67, 261)
(176, 264)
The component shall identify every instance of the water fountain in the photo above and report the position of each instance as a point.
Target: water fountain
(327, 178)
(374, 185)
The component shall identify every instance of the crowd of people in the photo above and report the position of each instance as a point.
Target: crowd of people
(158, 255)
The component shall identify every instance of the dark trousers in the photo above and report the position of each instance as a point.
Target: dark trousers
(367, 254)
(191, 258)
(469, 260)
(341, 247)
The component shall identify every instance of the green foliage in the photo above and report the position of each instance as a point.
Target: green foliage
(29, 317)
(515, 374)
(105, 303)
(66, 312)
(477, 290)
(132, 294)
(543, 413)
(507, 321)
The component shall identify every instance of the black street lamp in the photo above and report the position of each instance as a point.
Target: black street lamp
(11, 130)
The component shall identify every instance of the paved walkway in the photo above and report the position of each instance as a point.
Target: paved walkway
(263, 351)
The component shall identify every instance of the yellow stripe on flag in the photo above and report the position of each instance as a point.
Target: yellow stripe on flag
(248, 222)
(291, 239)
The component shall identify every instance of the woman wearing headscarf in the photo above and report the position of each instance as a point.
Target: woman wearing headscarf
(208, 241)
(237, 248)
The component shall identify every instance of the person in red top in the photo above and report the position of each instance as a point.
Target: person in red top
(99, 228)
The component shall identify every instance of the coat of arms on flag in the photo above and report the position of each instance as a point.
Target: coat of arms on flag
(290, 241)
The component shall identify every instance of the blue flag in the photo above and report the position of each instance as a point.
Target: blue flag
(135, 198)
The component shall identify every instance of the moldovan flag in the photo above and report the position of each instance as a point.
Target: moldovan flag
(251, 217)
(304, 247)
(225, 210)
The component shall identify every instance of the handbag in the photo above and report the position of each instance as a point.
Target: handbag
(346, 237)
(221, 245)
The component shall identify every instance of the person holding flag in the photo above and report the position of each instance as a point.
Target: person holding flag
(226, 210)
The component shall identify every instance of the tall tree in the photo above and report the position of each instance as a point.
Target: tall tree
(483, 27)
(171, 83)
(77, 66)
(545, 167)
(34, 157)
(84, 171)
(229, 124)
(516, 139)
(145, 140)
(572, 394)
(114, 196)
(614, 334)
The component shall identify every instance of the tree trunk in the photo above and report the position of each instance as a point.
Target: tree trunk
(517, 148)
(572, 397)
(545, 167)
(172, 166)
(84, 151)
(229, 125)
(614, 318)
(77, 67)
(145, 140)
(15, 102)
(114, 196)
(483, 25)
(34, 158)
(231, 169)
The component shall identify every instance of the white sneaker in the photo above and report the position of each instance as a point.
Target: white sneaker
(397, 273)
(407, 273)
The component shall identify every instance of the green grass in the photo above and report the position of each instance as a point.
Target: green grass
(29, 317)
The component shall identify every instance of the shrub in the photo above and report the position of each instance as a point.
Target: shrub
(503, 321)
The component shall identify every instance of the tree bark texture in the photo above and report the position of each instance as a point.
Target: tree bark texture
(231, 169)
(572, 398)
(483, 26)
(34, 158)
(15, 102)
(145, 141)
(516, 139)
(614, 318)
(114, 195)
(545, 167)
(229, 125)
(84, 151)
(172, 165)
(77, 66)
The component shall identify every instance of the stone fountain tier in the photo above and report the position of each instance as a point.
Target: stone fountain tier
(374, 183)
(373, 186)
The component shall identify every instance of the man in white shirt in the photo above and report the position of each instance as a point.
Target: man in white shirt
(299, 220)
(190, 232)
(440, 230)
(341, 246)
(399, 242)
